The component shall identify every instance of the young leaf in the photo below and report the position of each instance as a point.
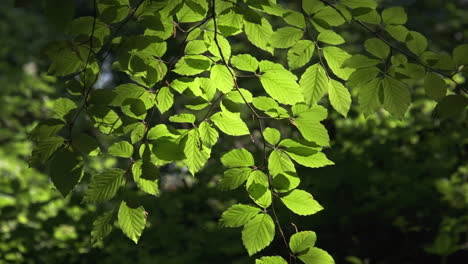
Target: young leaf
(355, 4)
(272, 135)
(146, 176)
(121, 149)
(258, 233)
(230, 123)
(259, 32)
(394, 16)
(330, 16)
(330, 37)
(192, 65)
(208, 134)
(183, 118)
(239, 215)
(279, 162)
(339, 97)
(369, 100)
(44, 149)
(132, 221)
(195, 152)
(237, 158)
(271, 260)
(300, 53)
(309, 125)
(435, 86)
(335, 58)
(245, 62)
(258, 188)
(164, 99)
(65, 170)
(302, 240)
(102, 227)
(314, 83)
(316, 256)
(301, 202)
(396, 96)
(104, 185)
(416, 42)
(281, 85)
(377, 48)
(222, 78)
(233, 178)
(285, 37)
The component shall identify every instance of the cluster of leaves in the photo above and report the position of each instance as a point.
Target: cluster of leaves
(148, 133)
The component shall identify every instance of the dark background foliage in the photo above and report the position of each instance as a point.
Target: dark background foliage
(398, 194)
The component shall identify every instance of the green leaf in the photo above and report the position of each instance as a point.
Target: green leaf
(65, 170)
(300, 54)
(330, 37)
(238, 158)
(416, 42)
(369, 16)
(369, 99)
(192, 65)
(86, 144)
(258, 233)
(44, 149)
(354, 4)
(121, 149)
(104, 185)
(192, 11)
(132, 221)
(63, 108)
(183, 118)
(64, 58)
(279, 162)
(102, 227)
(295, 18)
(272, 135)
(377, 48)
(394, 16)
(208, 134)
(258, 188)
(239, 215)
(339, 97)
(330, 16)
(313, 160)
(316, 256)
(222, 78)
(233, 178)
(460, 54)
(309, 125)
(164, 99)
(195, 152)
(245, 62)
(285, 37)
(281, 85)
(335, 58)
(105, 119)
(312, 6)
(113, 11)
(270, 107)
(359, 61)
(259, 34)
(230, 123)
(314, 83)
(398, 32)
(271, 260)
(195, 47)
(301, 202)
(396, 96)
(435, 86)
(146, 176)
(302, 241)
(223, 45)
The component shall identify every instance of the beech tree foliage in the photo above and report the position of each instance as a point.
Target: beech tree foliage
(301, 63)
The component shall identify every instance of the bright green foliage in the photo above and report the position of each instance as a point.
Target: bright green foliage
(271, 260)
(258, 233)
(172, 106)
(302, 241)
(239, 215)
(316, 256)
(121, 149)
(132, 221)
(104, 186)
(301, 202)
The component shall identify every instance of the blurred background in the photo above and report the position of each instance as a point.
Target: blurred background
(397, 194)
